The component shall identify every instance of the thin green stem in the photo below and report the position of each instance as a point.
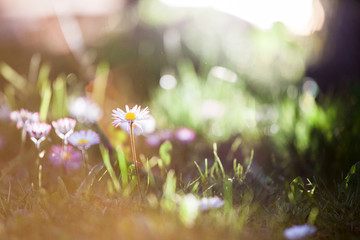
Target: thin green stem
(85, 159)
(38, 164)
(40, 176)
(133, 151)
(64, 152)
(23, 139)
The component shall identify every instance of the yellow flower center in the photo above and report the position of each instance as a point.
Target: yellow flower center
(83, 142)
(66, 156)
(130, 116)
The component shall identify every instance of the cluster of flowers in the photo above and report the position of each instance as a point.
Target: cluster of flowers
(137, 116)
(183, 135)
(64, 128)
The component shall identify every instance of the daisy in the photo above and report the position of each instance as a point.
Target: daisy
(299, 232)
(141, 128)
(84, 139)
(24, 116)
(210, 203)
(37, 131)
(69, 158)
(64, 127)
(131, 116)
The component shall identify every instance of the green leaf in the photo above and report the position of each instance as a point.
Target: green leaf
(353, 174)
(164, 150)
(123, 167)
(106, 159)
(62, 188)
(45, 103)
(12, 76)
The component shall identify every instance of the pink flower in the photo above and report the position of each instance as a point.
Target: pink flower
(37, 131)
(64, 127)
(185, 135)
(23, 117)
(70, 159)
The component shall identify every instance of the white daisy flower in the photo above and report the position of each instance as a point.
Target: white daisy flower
(299, 232)
(37, 132)
(64, 127)
(141, 128)
(84, 139)
(131, 116)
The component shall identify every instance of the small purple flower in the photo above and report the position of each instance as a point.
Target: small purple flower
(210, 203)
(70, 159)
(299, 231)
(23, 117)
(64, 127)
(155, 139)
(84, 139)
(37, 131)
(185, 135)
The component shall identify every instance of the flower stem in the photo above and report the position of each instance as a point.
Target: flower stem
(86, 160)
(38, 164)
(23, 139)
(133, 151)
(40, 176)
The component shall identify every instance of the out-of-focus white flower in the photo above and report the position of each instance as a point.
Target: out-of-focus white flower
(37, 131)
(299, 231)
(188, 211)
(185, 135)
(85, 110)
(84, 139)
(22, 117)
(132, 116)
(210, 203)
(223, 74)
(64, 127)
(212, 109)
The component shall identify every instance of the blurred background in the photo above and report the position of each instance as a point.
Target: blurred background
(278, 76)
